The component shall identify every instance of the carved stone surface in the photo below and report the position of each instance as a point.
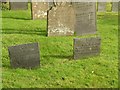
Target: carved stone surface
(115, 6)
(39, 10)
(85, 18)
(102, 6)
(51, 4)
(24, 56)
(61, 19)
(85, 47)
(18, 5)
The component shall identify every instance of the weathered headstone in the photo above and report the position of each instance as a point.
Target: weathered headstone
(18, 5)
(61, 19)
(39, 10)
(24, 56)
(102, 6)
(0, 5)
(85, 18)
(114, 6)
(85, 47)
(51, 4)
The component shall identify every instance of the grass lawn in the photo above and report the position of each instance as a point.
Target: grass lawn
(58, 69)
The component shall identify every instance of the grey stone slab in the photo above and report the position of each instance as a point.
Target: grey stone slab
(85, 47)
(39, 10)
(102, 6)
(24, 56)
(51, 4)
(18, 5)
(85, 20)
(61, 19)
(114, 6)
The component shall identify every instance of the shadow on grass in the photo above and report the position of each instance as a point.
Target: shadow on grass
(19, 18)
(31, 32)
(58, 56)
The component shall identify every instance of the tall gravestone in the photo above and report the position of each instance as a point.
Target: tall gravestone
(61, 19)
(24, 56)
(39, 10)
(102, 6)
(18, 5)
(85, 47)
(85, 20)
(114, 6)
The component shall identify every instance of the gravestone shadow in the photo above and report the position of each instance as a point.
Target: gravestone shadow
(69, 57)
(19, 18)
(30, 32)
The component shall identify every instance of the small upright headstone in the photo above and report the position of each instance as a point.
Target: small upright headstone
(102, 6)
(0, 5)
(39, 10)
(85, 18)
(114, 6)
(61, 19)
(24, 56)
(18, 5)
(85, 47)
(51, 4)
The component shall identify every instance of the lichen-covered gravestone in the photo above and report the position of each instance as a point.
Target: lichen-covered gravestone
(61, 19)
(18, 5)
(24, 56)
(102, 6)
(85, 18)
(84, 47)
(114, 6)
(39, 10)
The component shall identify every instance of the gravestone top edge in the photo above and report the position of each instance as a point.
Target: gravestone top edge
(22, 44)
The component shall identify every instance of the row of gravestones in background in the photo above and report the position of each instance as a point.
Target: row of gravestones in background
(102, 6)
(62, 19)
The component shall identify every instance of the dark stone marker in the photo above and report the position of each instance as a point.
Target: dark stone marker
(102, 6)
(114, 6)
(24, 56)
(18, 5)
(0, 6)
(85, 18)
(85, 47)
(39, 10)
(61, 19)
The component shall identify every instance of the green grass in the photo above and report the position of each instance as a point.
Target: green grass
(58, 69)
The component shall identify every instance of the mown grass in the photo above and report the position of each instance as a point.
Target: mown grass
(57, 68)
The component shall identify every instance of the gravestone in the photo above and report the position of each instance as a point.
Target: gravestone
(51, 4)
(24, 56)
(85, 21)
(39, 10)
(0, 5)
(114, 6)
(61, 19)
(102, 6)
(18, 5)
(85, 47)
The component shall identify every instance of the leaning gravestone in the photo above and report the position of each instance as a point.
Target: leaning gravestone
(18, 5)
(114, 6)
(39, 10)
(24, 56)
(85, 18)
(102, 6)
(85, 47)
(61, 19)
